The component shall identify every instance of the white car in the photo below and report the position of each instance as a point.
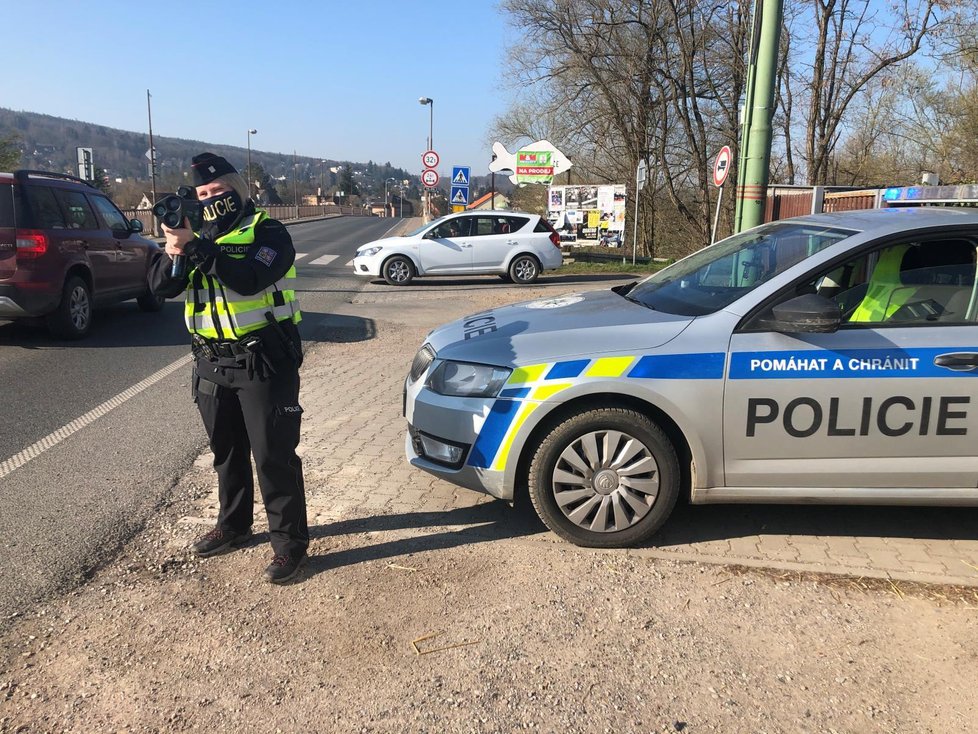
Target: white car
(514, 245)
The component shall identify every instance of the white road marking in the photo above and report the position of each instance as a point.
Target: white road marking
(349, 263)
(300, 255)
(53, 439)
(324, 260)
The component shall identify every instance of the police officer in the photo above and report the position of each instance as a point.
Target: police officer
(242, 314)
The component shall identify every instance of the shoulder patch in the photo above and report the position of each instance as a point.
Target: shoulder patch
(265, 255)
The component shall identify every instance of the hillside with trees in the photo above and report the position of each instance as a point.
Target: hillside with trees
(44, 142)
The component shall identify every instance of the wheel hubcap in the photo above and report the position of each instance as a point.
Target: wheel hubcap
(398, 271)
(79, 308)
(605, 481)
(525, 269)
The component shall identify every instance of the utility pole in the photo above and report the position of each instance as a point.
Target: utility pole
(152, 150)
(755, 147)
(295, 186)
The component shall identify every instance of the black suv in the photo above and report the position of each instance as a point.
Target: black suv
(65, 247)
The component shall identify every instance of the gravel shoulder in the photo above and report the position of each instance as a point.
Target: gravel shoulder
(530, 633)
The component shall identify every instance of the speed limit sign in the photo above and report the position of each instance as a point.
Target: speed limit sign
(430, 178)
(430, 159)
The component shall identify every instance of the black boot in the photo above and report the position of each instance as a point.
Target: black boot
(219, 541)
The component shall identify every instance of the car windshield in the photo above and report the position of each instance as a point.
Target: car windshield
(426, 227)
(716, 276)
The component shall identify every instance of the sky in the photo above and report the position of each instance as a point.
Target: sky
(336, 79)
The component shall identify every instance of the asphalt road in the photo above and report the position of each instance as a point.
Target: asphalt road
(86, 490)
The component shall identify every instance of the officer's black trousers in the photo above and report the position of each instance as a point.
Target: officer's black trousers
(256, 412)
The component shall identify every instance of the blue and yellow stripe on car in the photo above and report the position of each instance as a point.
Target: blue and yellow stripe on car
(529, 386)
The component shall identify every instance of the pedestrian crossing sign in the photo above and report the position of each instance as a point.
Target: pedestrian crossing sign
(460, 176)
(460, 195)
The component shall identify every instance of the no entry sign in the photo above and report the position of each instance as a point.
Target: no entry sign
(721, 166)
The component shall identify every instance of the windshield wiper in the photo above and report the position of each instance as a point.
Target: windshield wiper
(632, 299)
(621, 290)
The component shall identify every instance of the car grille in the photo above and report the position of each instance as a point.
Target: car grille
(422, 361)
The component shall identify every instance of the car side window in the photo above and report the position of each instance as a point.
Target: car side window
(45, 212)
(484, 226)
(901, 284)
(514, 224)
(113, 218)
(78, 212)
(451, 228)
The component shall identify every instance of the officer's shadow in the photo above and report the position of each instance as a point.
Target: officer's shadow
(487, 521)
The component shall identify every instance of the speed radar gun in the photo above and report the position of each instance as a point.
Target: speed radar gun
(171, 211)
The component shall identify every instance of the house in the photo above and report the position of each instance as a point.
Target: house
(486, 202)
(147, 201)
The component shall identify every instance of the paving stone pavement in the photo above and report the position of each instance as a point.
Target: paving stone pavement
(355, 471)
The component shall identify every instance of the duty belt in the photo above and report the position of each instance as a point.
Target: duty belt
(213, 349)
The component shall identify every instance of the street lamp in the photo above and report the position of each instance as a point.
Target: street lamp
(386, 199)
(431, 145)
(321, 197)
(251, 174)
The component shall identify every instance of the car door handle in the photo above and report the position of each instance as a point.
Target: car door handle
(958, 361)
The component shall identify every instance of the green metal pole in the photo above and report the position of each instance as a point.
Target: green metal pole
(755, 159)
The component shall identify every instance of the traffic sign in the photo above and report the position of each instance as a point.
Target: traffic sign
(430, 159)
(460, 176)
(430, 178)
(721, 166)
(641, 174)
(460, 195)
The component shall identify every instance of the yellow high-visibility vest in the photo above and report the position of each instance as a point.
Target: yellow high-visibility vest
(886, 292)
(216, 312)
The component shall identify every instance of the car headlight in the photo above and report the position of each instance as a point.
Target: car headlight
(466, 380)
(369, 251)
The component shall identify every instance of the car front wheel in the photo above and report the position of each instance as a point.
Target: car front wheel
(524, 269)
(398, 270)
(605, 478)
(73, 317)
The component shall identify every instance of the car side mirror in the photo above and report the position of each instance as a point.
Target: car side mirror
(429, 235)
(135, 225)
(809, 313)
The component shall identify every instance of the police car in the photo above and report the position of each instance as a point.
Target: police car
(828, 359)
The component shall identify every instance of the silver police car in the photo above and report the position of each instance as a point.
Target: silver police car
(829, 358)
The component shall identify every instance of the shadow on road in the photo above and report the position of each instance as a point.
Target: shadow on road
(125, 326)
(700, 523)
(482, 523)
(327, 327)
(119, 325)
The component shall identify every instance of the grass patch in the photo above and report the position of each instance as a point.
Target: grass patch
(577, 268)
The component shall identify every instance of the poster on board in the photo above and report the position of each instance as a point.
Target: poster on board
(588, 215)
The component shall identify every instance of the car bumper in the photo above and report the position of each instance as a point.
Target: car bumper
(17, 302)
(366, 267)
(552, 260)
(451, 422)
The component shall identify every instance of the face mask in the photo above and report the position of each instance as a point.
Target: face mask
(222, 211)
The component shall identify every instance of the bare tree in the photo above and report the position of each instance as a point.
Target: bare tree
(614, 82)
(852, 43)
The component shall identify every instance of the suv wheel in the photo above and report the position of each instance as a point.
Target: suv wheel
(524, 269)
(73, 317)
(606, 478)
